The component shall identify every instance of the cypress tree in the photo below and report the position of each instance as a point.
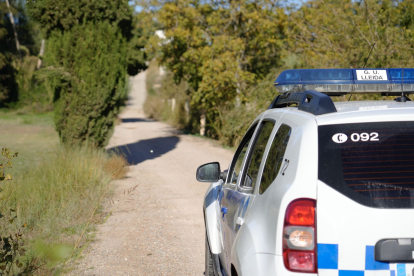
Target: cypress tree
(85, 64)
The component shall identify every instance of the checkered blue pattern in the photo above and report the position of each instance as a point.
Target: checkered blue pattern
(328, 264)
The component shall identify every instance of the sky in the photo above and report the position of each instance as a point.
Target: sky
(139, 9)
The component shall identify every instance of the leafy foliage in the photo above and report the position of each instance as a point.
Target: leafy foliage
(230, 52)
(13, 259)
(6, 163)
(86, 67)
(144, 28)
(235, 121)
(12, 244)
(8, 52)
(340, 34)
(161, 91)
(220, 48)
(64, 15)
(86, 63)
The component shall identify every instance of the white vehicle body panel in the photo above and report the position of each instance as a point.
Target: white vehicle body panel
(348, 231)
(212, 217)
(226, 195)
(350, 112)
(266, 264)
(269, 208)
(353, 229)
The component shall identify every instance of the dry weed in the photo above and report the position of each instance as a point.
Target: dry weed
(118, 121)
(116, 166)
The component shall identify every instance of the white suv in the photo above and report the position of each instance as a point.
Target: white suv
(322, 188)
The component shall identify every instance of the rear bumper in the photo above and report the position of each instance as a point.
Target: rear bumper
(266, 265)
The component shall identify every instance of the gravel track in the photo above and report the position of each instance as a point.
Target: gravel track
(158, 228)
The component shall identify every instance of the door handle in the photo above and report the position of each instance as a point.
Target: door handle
(240, 221)
(224, 211)
(285, 166)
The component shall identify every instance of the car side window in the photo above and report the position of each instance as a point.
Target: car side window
(256, 154)
(239, 156)
(275, 157)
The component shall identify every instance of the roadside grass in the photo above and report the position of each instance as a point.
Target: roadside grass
(56, 191)
(33, 141)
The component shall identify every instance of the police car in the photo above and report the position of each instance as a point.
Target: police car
(316, 186)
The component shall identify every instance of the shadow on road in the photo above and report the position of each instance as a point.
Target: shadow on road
(136, 120)
(146, 149)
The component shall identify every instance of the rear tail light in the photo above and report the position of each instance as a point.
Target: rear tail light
(301, 261)
(299, 236)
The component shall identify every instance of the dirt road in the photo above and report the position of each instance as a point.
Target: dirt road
(158, 228)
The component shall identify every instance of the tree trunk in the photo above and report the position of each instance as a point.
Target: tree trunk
(42, 50)
(14, 26)
(203, 124)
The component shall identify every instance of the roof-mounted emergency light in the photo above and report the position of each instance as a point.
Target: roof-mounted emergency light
(335, 82)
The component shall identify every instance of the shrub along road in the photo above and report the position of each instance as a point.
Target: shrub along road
(158, 228)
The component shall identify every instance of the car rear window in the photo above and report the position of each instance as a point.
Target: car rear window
(371, 163)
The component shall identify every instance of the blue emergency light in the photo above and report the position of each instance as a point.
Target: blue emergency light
(334, 82)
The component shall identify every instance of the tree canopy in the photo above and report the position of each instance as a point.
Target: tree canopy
(225, 50)
(86, 64)
(220, 55)
(337, 33)
(64, 15)
(219, 48)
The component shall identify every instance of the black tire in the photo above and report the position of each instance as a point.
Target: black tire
(209, 270)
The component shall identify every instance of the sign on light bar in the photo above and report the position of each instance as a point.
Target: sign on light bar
(347, 81)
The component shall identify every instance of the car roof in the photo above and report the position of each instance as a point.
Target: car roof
(349, 106)
(357, 112)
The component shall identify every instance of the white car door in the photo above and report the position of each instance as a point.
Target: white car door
(250, 171)
(226, 194)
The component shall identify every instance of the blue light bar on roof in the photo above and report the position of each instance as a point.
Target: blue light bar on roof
(347, 81)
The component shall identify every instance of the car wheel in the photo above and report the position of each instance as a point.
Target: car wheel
(209, 271)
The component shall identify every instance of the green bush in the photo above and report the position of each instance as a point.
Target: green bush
(34, 97)
(87, 56)
(162, 91)
(8, 86)
(235, 120)
(86, 68)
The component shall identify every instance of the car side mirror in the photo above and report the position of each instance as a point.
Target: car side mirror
(209, 172)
